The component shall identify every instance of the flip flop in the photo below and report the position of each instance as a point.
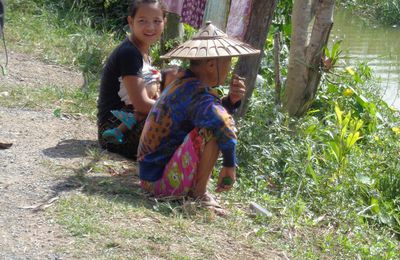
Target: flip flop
(113, 136)
(126, 118)
(208, 201)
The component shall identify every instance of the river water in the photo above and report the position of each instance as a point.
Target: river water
(377, 45)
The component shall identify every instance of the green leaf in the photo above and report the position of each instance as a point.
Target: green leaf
(339, 114)
(336, 150)
(375, 205)
(352, 139)
(57, 112)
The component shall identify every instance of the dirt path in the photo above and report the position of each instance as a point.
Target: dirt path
(39, 140)
(30, 175)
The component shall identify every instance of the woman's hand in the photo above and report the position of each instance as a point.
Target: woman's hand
(226, 179)
(237, 89)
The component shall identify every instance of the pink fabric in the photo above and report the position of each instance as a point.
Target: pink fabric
(239, 17)
(193, 12)
(179, 174)
(174, 6)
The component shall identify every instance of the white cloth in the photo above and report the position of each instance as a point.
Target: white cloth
(150, 76)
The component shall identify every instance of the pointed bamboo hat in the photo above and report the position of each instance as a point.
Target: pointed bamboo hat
(210, 42)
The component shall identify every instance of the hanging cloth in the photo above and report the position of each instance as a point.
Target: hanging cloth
(239, 17)
(193, 12)
(173, 6)
(217, 12)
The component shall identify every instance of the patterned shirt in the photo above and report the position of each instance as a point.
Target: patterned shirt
(184, 105)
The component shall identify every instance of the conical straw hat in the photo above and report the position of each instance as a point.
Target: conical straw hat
(210, 42)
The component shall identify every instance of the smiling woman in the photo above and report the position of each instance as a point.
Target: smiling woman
(126, 75)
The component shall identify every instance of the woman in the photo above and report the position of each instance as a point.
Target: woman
(188, 126)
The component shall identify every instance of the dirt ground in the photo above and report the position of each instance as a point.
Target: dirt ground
(39, 139)
(29, 179)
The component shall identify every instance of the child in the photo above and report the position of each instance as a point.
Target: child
(122, 85)
(188, 126)
(153, 87)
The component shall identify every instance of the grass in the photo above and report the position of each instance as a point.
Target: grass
(110, 217)
(59, 100)
(328, 200)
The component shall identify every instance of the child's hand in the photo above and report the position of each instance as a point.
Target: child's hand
(227, 178)
(237, 89)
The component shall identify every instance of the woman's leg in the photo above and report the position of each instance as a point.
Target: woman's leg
(189, 169)
(208, 159)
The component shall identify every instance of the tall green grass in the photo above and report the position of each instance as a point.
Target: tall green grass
(58, 34)
(335, 170)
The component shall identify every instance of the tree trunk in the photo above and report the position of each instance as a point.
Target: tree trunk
(2, 8)
(173, 30)
(261, 17)
(277, 69)
(306, 53)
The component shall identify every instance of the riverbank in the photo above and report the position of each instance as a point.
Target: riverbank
(330, 179)
(374, 45)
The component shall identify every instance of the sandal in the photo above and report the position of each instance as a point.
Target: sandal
(126, 118)
(113, 136)
(208, 201)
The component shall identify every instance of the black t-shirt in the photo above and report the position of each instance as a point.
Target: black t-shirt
(125, 60)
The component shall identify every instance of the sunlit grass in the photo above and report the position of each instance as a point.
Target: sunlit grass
(67, 39)
(60, 100)
(110, 217)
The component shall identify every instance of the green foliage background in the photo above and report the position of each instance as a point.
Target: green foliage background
(386, 11)
(332, 178)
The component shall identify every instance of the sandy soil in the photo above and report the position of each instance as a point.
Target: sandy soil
(39, 139)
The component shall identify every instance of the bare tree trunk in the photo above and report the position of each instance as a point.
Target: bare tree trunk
(277, 70)
(2, 9)
(173, 30)
(256, 35)
(306, 53)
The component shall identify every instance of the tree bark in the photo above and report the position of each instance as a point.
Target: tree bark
(277, 70)
(173, 30)
(261, 17)
(305, 56)
(2, 9)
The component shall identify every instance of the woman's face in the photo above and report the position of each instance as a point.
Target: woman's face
(224, 66)
(148, 24)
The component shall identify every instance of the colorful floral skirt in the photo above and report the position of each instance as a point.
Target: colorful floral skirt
(180, 172)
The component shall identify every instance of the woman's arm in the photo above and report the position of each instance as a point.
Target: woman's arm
(137, 94)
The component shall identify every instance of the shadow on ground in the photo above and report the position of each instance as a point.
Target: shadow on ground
(70, 148)
(124, 187)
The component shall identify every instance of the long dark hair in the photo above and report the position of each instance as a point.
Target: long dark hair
(134, 6)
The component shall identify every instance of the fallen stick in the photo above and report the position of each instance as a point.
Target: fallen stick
(5, 145)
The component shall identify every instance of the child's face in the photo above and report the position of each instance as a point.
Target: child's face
(148, 24)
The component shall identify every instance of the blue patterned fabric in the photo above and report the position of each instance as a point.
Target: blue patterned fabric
(184, 105)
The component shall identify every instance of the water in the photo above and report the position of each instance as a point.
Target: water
(377, 45)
